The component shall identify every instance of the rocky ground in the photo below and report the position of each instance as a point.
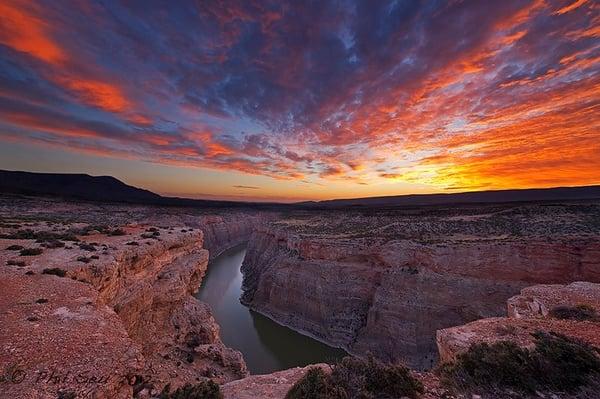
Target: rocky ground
(96, 300)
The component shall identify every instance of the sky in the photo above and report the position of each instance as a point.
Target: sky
(295, 100)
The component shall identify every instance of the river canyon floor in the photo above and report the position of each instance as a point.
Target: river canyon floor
(113, 294)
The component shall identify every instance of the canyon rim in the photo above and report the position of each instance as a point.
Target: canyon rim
(277, 199)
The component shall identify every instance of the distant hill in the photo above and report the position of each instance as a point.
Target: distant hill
(94, 188)
(478, 197)
(109, 189)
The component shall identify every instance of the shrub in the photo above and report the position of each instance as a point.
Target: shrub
(357, 378)
(564, 363)
(14, 248)
(53, 244)
(40, 236)
(26, 234)
(31, 251)
(150, 235)
(557, 363)
(85, 231)
(204, 390)
(19, 263)
(314, 385)
(55, 271)
(87, 247)
(579, 312)
(117, 232)
(84, 259)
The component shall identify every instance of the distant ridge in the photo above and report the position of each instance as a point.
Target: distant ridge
(95, 188)
(481, 197)
(81, 186)
(109, 189)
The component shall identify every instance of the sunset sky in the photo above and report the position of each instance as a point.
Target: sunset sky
(294, 100)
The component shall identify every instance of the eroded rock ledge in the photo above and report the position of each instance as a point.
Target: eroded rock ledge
(385, 284)
(528, 312)
(118, 308)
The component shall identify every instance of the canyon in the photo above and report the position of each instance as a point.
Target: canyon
(111, 305)
(384, 283)
(117, 304)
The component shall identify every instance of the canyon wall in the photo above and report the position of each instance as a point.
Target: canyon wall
(151, 289)
(222, 232)
(388, 296)
(115, 307)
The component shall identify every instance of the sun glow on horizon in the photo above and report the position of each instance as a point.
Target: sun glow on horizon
(292, 101)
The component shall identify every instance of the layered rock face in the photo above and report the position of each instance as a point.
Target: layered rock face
(222, 232)
(528, 312)
(151, 288)
(118, 308)
(385, 284)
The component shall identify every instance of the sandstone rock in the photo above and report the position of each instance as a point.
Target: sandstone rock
(269, 386)
(385, 284)
(540, 299)
(525, 319)
(127, 313)
(222, 232)
(71, 342)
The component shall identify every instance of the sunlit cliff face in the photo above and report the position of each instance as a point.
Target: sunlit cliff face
(328, 98)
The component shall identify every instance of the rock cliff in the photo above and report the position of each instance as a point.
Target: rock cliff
(528, 312)
(222, 232)
(117, 307)
(385, 284)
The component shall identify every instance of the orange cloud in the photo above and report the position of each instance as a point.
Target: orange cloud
(24, 31)
(27, 33)
(101, 94)
(571, 7)
(211, 146)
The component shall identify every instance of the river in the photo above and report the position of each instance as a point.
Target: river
(266, 345)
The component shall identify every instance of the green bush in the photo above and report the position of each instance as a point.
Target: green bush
(204, 390)
(579, 312)
(557, 363)
(357, 378)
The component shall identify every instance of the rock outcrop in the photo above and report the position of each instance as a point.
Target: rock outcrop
(387, 290)
(528, 313)
(268, 386)
(116, 307)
